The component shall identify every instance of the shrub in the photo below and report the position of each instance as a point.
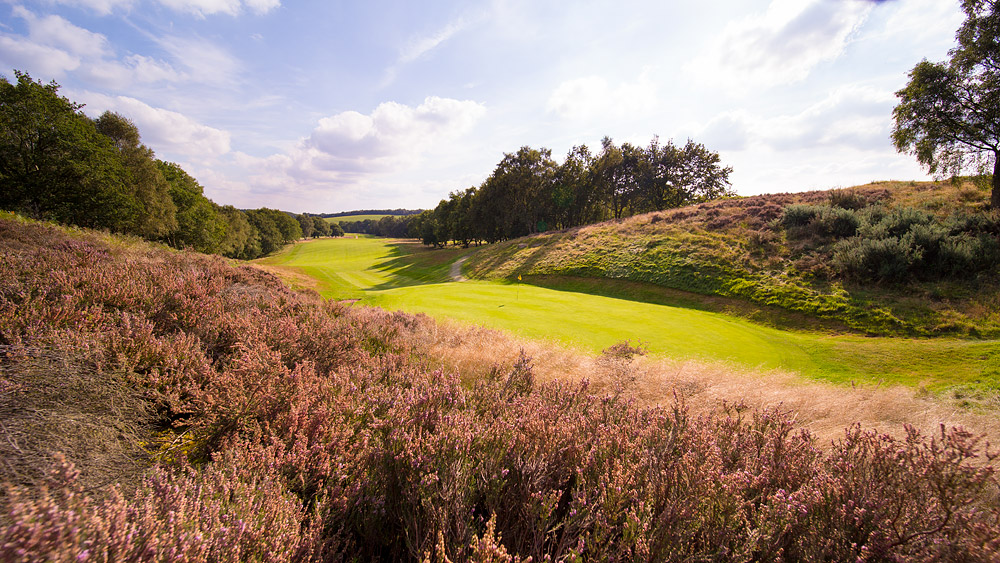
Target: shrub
(879, 223)
(798, 215)
(848, 199)
(885, 260)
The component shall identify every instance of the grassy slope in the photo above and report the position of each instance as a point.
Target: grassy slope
(734, 249)
(352, 218)
(407, 276)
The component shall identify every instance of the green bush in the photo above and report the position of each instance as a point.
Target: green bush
(884, 260)
(848, 199)
(879, 223)
(837, 222)
(798, 215)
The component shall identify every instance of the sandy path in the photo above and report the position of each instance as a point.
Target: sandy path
(456, 270)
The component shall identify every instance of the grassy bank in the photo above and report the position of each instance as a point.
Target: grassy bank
(748, 250)
(679, 325)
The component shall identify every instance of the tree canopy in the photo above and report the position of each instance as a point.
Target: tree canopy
(949, 112)
(528, 192)
(58, 164)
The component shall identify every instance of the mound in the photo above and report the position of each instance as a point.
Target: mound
(888, 258)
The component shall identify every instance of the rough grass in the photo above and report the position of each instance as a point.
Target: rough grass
(737, 248)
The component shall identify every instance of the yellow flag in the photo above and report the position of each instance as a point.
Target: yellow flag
(519, 277)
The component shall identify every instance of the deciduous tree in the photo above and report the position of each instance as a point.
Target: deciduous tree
(949, 112)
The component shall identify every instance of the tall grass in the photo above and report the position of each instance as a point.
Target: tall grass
(283, 428)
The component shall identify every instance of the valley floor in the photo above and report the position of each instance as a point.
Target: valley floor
(829, 380)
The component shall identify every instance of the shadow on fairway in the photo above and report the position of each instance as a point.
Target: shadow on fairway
(410, 263)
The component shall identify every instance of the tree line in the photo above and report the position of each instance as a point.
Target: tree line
(58, 164)
(528, 192)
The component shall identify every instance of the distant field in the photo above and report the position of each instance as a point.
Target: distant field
(410, 277)
(352, 218)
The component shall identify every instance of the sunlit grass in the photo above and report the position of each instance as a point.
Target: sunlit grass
(406, 276)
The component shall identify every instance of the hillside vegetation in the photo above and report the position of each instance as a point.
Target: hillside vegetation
(243, 421)
(888, 258)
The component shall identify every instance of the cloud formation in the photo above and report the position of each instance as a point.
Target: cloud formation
(162, 129)
(592, 96)
(200, 8)
(55, 47)
(851, 117)
(781, 45)
(351, 149)
(392, 133)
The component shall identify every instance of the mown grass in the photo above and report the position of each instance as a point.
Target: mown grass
(738, 248)
(585, 314)
(352, 218)
(354, 266)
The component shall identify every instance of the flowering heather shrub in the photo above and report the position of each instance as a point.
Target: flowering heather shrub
(288, 429)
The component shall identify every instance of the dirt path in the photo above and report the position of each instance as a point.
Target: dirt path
(456, 270)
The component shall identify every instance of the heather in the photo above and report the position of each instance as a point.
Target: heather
(251, 422)
(891, 258)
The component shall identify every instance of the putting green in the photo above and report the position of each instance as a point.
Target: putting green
(405, 276)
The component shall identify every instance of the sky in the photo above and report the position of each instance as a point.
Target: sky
(329, 105)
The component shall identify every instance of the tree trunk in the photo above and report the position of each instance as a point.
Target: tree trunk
(995, 195)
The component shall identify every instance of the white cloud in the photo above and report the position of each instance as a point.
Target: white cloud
(592, 96)
(205, 61)
(417, 47)
(420, 46)
(922, 20)
(55, 31)
(202, 8)
(162, 129)
(103, 7)
(726, 132)
(41, 60)
(852, 117)
(782, 45)
(54, 47)
(350, 151)
(393, 132)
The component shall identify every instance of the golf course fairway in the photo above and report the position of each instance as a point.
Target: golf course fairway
(405, 276)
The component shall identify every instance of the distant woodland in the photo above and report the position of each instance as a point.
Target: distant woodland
(58, 164)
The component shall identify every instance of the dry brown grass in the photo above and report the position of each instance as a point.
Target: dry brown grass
(824, 409)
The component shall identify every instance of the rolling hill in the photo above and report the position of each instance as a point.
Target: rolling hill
(889, 258)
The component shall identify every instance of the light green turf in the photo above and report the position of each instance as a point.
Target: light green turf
(409, 277)
(352, 218)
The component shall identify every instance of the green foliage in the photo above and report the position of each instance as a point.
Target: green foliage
(946, 115)
(55, 165)
(528, 192)
(335, 230)
(321, 228)
(306, 224)
(199, 224)
(157, 215)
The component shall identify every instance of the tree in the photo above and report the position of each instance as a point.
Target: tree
(200, 225)
(157, 215)
(320, 227)
(949, 112)
(336, 230)
(53, 162)
(306, 224)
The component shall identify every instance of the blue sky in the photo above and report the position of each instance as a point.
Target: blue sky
(326, 105)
